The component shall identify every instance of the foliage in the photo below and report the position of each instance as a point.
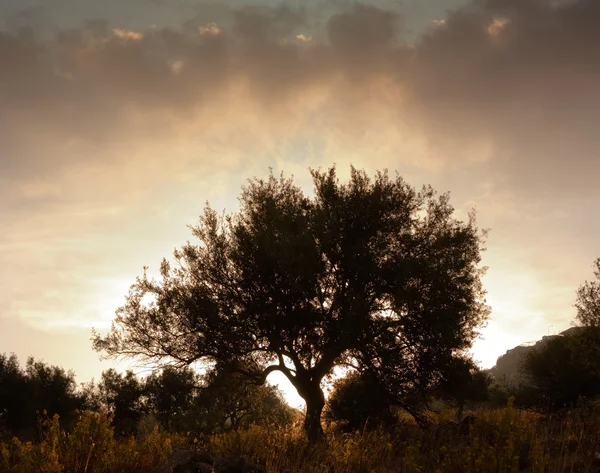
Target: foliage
(562, 370)
(358, 402)
(89, 448)
(588, 300)
(180, 401)
(124, 396)
(26, 393)
(171, 393)
(461, 382)
(228, 400)
(370, 272)
(498, 441)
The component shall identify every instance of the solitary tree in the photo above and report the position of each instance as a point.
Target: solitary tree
(368, 272)
(588, 300)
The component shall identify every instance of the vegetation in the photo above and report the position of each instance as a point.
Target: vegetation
(499, 441)
(178, 401)
(27, 392)
(90, 447)
(562, 370)
(359, 402)
(588, 300)
(370, 273)
(230, 402)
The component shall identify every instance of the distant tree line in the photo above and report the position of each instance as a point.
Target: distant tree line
(177, 400)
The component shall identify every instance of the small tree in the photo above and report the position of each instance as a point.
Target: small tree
(462, 382)
(228, 400)
(358, 401)
(370, 272)
(588, 300)
(170, 394)
(561, 371)
(124, 396)
(53, 390)
(25, 394)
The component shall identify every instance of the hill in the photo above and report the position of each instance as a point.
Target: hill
(507, 366)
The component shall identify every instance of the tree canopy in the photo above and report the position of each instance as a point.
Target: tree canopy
(358, 402)
(369, 273)
(230, 401)
(30, 392)
(462, 382)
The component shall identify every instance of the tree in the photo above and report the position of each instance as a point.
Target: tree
(562, 370)
(13, 389)
(25, 394)
(369, 272)
(171, 396)
(229, 401)
(124, 396)
(588, 300)
(358, 401)
(53, 390)
(462, 381)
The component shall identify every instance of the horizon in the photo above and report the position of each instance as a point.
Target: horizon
(119, 122)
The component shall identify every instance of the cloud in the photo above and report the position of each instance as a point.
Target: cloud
(127, 35)
(521, 75)
(512, 78)
(211, 29)
(303, 38)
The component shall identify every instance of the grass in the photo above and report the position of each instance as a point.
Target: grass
(499, 441)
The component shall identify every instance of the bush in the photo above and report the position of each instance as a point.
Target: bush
(89, 448)
(562, 371)
(358, 402)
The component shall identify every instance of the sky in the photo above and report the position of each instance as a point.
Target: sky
(120, 119)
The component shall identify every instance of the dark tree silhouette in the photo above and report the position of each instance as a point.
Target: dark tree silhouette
(358, 401)
(369, 273)
(124, 396)
(13, 395)
(170, 395)
(53, 390)
(230, 401)
(461, 382)
(588, 300)
(562, 370)
(26, 394)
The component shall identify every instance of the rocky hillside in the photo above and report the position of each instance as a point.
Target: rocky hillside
(507, 366)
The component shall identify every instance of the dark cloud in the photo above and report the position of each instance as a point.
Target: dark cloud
(521, 75)
(524, 76)
(510, 83)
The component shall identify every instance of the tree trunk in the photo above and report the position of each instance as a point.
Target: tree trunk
(315, 402)
(312, 421)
